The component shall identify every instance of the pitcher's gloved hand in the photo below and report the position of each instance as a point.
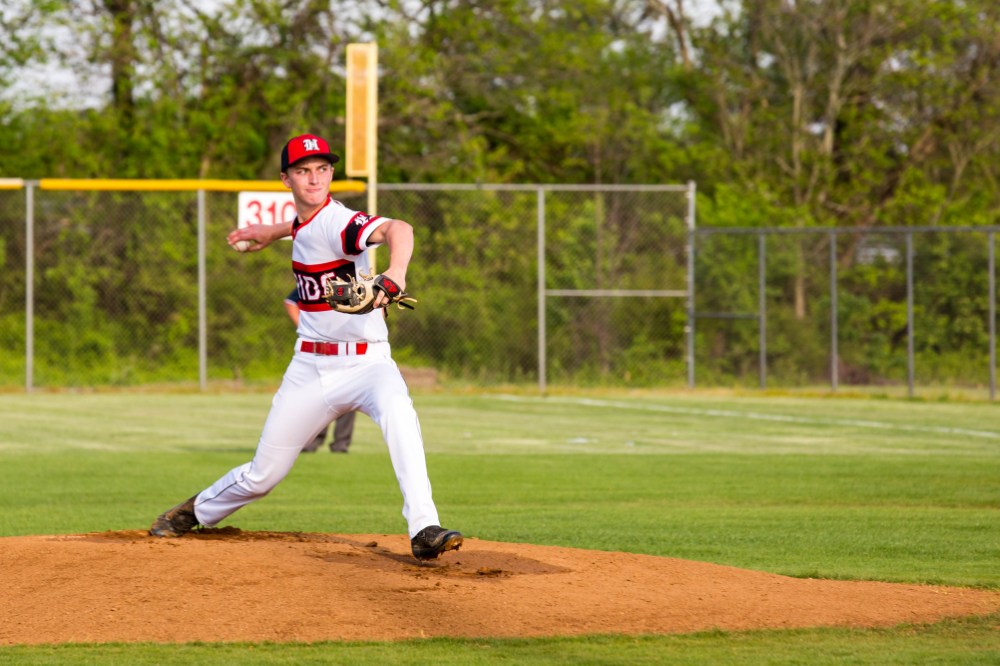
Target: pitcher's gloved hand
(358, 296)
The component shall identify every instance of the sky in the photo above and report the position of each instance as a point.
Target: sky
(80, 85)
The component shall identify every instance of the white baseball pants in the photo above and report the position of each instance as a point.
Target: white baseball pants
(315, 390)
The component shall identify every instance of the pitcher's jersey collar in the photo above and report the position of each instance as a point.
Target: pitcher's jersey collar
(296, 226)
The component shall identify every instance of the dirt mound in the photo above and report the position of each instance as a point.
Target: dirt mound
(230, 585)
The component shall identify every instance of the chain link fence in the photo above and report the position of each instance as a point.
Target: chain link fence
(114, 299)
(115, 288)
(474, 273)
(12, 288)
(478, 247)
(880, 307)
(617, 279)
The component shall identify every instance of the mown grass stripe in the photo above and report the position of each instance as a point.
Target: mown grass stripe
(784, 418)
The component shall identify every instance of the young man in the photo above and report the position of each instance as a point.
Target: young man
(341, 362)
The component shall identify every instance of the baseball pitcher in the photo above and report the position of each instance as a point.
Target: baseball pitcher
(341, 362)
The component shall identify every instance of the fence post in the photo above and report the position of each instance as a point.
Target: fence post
(541, 291)
(834, 379)
(202, 318)
(909, 312)
(29, 291)
(762, 306)
(993, 319)
(690, 282)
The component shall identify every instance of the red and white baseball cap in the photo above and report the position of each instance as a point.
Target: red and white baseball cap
(301, 147)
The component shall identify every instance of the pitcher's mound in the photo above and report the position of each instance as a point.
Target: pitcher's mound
(228, 585)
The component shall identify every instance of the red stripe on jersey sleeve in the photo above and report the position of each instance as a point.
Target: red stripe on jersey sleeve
(353, 246)
(362, 233)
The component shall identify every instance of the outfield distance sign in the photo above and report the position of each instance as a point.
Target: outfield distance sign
(265, 208)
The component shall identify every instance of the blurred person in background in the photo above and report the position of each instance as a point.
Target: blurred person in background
(343, 427)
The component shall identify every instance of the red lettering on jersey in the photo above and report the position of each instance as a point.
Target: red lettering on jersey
(311, 279)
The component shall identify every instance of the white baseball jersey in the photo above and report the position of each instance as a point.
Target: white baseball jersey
(333, 242)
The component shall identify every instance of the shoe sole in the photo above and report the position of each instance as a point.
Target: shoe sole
(453, 543)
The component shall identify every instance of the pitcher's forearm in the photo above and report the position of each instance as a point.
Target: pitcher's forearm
(260, 235)
(399, 240)
(282, 230)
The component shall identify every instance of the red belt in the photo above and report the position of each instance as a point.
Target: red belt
(330, 348)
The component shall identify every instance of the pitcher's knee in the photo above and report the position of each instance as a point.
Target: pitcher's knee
(260, 482)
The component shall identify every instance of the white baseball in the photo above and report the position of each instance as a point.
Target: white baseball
(241, 245)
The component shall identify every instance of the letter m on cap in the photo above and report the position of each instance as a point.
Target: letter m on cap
(310, 144)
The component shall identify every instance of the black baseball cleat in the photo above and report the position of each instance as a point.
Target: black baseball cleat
(177, 522)
(434, 540)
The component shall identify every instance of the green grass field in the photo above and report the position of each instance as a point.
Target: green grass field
(849, 488)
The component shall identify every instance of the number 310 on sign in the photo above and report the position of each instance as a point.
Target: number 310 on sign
(265, 208)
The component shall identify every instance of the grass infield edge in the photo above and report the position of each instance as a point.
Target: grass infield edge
(965, 624)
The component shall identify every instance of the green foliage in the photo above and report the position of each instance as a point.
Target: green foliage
(473, 272)
(803, 114)
(951, 308)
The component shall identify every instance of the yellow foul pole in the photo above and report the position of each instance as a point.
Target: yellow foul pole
(362, 120)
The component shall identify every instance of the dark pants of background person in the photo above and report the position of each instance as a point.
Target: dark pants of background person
(343, 429)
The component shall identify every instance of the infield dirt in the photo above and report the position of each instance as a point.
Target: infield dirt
(228, 585)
